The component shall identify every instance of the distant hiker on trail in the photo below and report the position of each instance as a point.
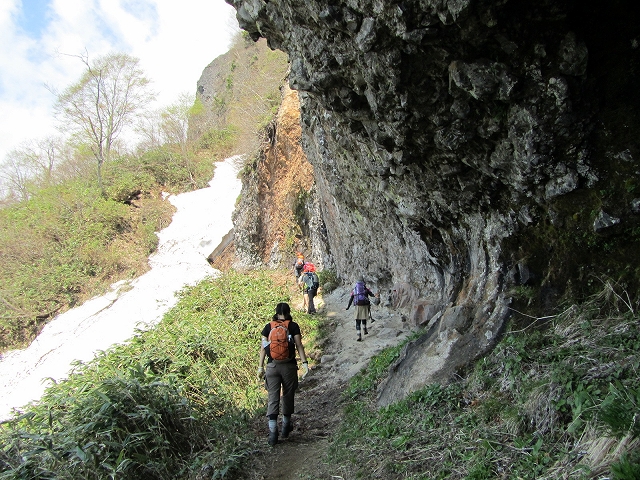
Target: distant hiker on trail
(360, 298)
(298, 265)
(310, 284)
(280, 339)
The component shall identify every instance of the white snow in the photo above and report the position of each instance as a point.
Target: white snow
(202, 219)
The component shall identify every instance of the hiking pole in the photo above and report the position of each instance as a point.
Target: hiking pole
(370, 317)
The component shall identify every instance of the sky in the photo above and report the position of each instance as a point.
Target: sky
(42, 39)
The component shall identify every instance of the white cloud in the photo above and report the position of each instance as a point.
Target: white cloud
(174, 41)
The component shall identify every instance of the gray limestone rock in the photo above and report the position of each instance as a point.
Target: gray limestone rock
(493, 109)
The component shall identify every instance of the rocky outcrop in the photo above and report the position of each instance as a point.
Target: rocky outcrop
(278, 213)
(462, 148)
(237, 94)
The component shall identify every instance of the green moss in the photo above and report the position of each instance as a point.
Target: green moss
(566, 256)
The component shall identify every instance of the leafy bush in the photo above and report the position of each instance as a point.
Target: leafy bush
(123, 181)
(172, 170)
(219, 140)
(173, 403)
(328, 280)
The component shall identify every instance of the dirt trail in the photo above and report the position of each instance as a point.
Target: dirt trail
(318, 410)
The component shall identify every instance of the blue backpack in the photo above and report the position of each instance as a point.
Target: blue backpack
(360, 296)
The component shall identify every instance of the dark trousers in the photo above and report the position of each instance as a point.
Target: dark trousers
(311, 293)
(281, 377)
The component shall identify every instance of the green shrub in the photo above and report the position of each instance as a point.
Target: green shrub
(122, 184)
(524, 411)
(328, 280)
(219, 140)
(174, 402)
(627, 468)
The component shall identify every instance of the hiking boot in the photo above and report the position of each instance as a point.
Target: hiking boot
(273, 438)
(286, 430)
(359, 339)
(366, 332)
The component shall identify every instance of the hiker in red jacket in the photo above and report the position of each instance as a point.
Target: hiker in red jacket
(298, 265)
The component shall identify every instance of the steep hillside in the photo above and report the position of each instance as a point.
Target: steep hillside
(469, 156)
(238, 95)
(277, 215)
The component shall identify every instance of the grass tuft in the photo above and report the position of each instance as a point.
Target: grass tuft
(175, 402)
(543, 404)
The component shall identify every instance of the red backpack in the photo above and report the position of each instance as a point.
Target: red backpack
(279, 340)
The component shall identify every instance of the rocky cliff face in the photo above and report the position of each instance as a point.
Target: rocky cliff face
(277, 214)
(465, 151)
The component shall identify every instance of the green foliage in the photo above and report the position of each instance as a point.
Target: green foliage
(525, 410)
(52, 245)
(197, 108)
(328, 277)
(170, 169)
(173, 403)
(123, 179)
(627, 468)
(375, 371)
(219, 140)
(620, 410)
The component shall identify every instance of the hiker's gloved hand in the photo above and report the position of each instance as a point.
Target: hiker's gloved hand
(260, 373)
(305, 369)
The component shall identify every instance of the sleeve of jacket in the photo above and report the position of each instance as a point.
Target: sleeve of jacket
(350, 301)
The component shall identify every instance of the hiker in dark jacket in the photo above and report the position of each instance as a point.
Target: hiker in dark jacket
(360, 298)
(281, 375)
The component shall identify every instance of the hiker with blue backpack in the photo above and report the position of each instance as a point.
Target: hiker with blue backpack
(360, 298)
(281, 337)
(310, 283)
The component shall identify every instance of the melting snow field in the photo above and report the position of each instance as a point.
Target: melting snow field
(202, 219)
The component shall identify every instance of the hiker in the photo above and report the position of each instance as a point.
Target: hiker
(298, 265)
(310, 284)
(360, 298)
(280, 339)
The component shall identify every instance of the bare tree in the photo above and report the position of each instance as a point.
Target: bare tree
(29, 166)
(167, 126)
(110, 94)
(175, 122)
(14, 177)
